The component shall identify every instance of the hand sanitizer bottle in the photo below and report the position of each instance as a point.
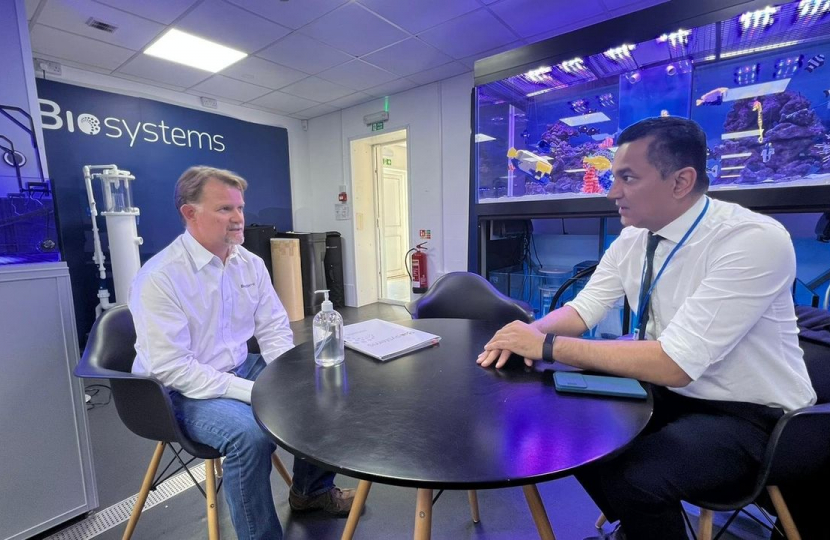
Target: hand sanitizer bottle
(328, 335)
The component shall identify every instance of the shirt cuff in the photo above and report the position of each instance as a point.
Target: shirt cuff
(240, 389)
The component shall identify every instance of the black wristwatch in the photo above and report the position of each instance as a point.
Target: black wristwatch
(547, 348)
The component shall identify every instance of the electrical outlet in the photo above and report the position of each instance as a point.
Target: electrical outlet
(52, 68)
(210, 103)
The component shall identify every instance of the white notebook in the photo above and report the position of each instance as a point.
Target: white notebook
(385, 340)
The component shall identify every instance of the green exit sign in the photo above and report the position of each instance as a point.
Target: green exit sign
(377, 126)
(387, 161)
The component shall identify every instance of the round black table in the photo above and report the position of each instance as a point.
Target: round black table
(434, 419)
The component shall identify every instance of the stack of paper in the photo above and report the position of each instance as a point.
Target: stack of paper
(385, 340)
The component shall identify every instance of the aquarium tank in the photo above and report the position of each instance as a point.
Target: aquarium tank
(28, 231)
(757, 82)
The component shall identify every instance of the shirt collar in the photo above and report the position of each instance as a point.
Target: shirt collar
(675, 230)
(201, 256)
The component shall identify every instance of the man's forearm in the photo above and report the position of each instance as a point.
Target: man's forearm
(643, 360)
(564, 321)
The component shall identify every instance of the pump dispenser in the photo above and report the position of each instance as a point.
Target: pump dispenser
(328, 335)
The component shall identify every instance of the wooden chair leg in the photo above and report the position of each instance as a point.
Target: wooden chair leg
(145, 490)
(217, 467)
(280, 466)
(601, 520)
(783, 513)
(473, 496)
(537, 510)
(423, 515)
(704, 528)
(210, 492)
(357, 508)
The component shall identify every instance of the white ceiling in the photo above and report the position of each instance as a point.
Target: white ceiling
(306, 57)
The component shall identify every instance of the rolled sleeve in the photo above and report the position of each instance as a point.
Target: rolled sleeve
(271, 325)
(750, 266)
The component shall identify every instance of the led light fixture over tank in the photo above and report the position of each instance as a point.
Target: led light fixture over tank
(762, 18)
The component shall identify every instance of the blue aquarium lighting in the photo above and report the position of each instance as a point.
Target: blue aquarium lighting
(747, 74)
(574, 66)
(606, 100)
(579, 106)
(678, 38)
(762, 18)
(538, 75)
(619, 54)
(808, 9)
(786, 67)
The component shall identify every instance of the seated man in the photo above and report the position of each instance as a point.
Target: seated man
(195, 305)
(717, 332)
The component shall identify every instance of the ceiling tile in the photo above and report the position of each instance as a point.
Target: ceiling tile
(314, 112)
(261, 72)
(225, 87)
(283, 103)
(164, 12)
(469, 34)
(71, 16)
(351, 101)
(354, 29)
(391, 88)
(420, 15)
(357, 75)
(531, 17)
(301, 52)
(83, 50)
(291, 14)
(31, 7)
(317, 89)
(156, 69)
(231, 26)
(148, 82)
(407, 57)
(442, 72)
(471, 60)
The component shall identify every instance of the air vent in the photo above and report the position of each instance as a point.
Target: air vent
(101, 25)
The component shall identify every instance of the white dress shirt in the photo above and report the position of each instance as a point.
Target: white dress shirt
(722, 310)
(194, 315)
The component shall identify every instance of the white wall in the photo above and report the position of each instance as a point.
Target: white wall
(437, 117)
(297, 137)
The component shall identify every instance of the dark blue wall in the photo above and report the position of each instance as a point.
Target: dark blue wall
(156, 142)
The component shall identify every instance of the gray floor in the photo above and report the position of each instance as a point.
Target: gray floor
(121, 459)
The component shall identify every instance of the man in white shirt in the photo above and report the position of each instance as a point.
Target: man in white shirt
(717, 334)
(195, 305)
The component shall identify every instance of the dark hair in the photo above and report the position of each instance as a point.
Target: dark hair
(676, 143)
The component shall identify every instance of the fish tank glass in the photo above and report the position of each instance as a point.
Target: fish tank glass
(28, 231)
(757, 83)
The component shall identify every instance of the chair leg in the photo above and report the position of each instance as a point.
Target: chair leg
(423, 515)
(217, 467)
(783, 513)
(280, 466)
(704, 528)
(473, 496)
(210, 493)
(145, 490)
(601, 520)
(537, 510)
(357, 508)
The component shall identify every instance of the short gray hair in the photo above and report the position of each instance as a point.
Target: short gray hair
(190, 185)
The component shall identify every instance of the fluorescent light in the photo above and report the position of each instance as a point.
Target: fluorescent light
(582, 119)
(740, 52)
(574, 170)
(481, 137)
(183, 48)
(755, 90)
(742, 154)
(736, 168)
(741, 134)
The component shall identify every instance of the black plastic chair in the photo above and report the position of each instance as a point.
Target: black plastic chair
(464, 295)
(145, 408)
(799, 447)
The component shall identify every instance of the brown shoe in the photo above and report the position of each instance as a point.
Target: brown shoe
(336, 501)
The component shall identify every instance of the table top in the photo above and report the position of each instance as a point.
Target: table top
(435, 419)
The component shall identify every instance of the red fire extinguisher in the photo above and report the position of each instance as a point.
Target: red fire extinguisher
(420, 283)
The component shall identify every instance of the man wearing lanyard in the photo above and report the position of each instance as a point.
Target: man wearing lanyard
(710, 282)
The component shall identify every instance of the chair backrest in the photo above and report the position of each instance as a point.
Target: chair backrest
(142, 402)
(464, 295)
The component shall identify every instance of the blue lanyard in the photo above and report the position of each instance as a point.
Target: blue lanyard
(647, 297)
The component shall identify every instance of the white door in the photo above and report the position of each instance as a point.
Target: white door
(393, 221)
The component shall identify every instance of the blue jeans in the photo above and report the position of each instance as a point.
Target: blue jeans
(229, 426)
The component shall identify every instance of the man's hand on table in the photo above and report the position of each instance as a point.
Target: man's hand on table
(517, 337)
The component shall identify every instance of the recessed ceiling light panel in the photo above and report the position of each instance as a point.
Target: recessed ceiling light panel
(183, 48)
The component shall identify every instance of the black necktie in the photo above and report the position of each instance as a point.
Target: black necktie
(653, 240)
